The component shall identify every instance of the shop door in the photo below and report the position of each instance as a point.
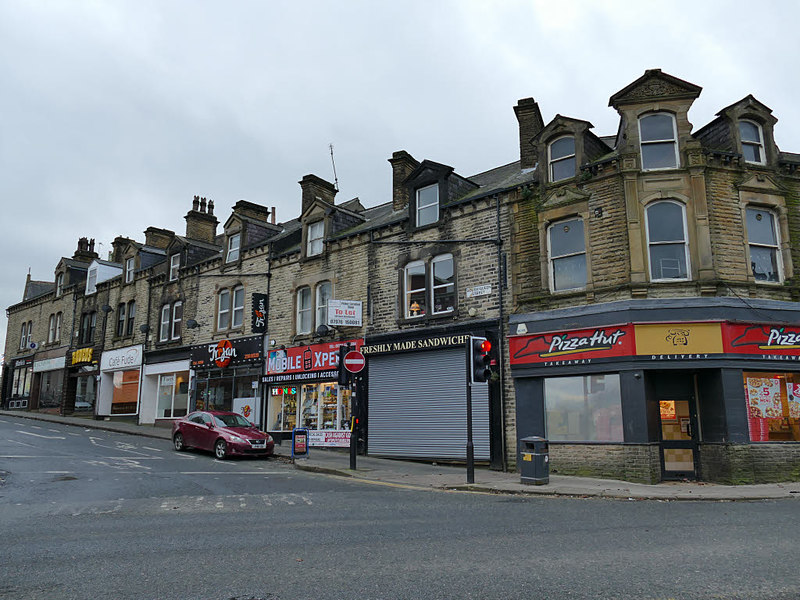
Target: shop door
(679, 437)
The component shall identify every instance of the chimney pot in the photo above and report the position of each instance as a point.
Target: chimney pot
(203, 204)
(211, 208)
(196, 203)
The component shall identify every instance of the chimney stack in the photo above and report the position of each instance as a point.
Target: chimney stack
(530, 124)
(85, 252)
(402, 166)
(201, 225)
(158, 238)
(315, 187)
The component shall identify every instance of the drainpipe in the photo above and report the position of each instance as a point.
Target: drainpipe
(501, 336)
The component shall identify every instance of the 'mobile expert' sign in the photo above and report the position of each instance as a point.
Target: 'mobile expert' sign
(317, 361)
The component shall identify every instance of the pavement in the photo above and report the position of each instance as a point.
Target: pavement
(445, 477)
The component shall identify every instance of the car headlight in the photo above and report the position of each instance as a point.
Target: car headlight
(236, 438)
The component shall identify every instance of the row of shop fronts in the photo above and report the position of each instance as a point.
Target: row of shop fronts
(633, 393)
(415, 384)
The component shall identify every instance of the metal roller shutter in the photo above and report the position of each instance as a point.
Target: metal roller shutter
(417, 406)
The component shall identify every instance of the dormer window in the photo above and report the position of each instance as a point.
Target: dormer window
(427, 205)
(59, 285)
(174, 265)
(314, 242)
(129, 264)
(562, 159)
(233, 248)
(658, 138)
(752, 142)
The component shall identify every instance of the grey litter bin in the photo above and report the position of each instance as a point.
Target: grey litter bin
(534, 460)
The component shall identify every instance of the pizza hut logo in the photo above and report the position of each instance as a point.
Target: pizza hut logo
(222, 353)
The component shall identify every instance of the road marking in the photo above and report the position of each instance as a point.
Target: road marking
(47, 437)
(58, 472)
(22, 443)
(153, 449)
(232, 473)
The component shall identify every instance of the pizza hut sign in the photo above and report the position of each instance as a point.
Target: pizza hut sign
(225, 353)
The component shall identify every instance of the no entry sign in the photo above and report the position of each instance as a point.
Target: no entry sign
(354, 361)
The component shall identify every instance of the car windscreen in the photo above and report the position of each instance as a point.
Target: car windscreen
(231, 421)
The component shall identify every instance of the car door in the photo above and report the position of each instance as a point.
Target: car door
(192, 430)
(206, 435)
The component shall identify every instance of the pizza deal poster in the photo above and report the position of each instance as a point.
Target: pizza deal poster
(764, 397)
(794, 400)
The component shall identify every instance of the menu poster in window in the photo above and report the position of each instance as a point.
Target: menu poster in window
(764, 397)
(794, 400)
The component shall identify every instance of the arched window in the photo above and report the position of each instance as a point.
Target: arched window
(752, 142)
(659, 141)
(567, 255)
(562, 158)
(668, 246)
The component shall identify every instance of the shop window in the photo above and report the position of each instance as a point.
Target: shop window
(752, 142)
(85, 394)
(762, 237)
(88, 324)
(562, 158)
(233, 248)
(304, 310)
(658, 138)
(314, 242)
(567, 255)
(323, 295)
(431, 284)
(667, 242)
(318, 406)
(129, 269)
(583, 409)
(131, 317)
(21, 382)
(173, 395)
(174, 266)
(773, 405)
(59, 285)
(125, 395)
(50, 388)
(121, 314)
(427, 205)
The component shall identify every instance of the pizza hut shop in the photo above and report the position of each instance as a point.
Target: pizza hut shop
(652, 390)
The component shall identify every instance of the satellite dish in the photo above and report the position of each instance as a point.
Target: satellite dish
(323, 330)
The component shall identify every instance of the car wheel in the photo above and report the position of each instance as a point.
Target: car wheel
(177, 441)
(220, 449)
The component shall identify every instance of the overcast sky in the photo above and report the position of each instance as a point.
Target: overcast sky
(114, 114)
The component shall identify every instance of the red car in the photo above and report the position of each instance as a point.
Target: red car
(223, 433)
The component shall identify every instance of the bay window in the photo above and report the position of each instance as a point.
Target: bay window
(668, 246)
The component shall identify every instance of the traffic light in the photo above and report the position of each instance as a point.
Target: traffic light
(479, 348)
(344, 374)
